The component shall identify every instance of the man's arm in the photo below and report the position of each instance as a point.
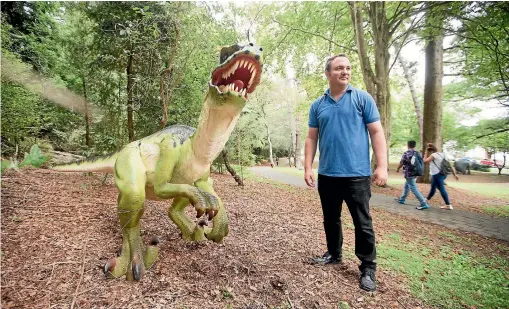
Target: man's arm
(309, 155)
(376, 133)
(399, 167)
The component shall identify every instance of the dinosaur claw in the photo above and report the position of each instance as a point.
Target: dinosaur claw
(154, 241)
(137, 271)
(109, 266)
(211, 213)
(203, 222)
(199, 213)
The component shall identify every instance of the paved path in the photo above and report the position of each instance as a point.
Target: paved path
(457, 219)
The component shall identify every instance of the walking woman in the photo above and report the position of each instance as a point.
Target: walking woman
(435, 158)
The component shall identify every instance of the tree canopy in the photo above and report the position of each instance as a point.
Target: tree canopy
(140, 66)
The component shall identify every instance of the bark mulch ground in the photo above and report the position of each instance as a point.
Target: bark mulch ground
(59, 229)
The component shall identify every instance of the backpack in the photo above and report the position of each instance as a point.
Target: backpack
(417, 164)
(445, 167)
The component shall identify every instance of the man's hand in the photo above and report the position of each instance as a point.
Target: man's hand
(397, 171)
(456, 176)
(309, 178)
(380, 176)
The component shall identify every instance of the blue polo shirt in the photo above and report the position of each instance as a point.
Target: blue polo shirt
(342, 132)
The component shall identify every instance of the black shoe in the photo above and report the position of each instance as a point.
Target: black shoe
(368, 281)
(326, 259)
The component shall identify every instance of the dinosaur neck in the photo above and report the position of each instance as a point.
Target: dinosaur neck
(214, 129)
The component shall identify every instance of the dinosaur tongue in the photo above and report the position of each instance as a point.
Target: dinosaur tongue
(239, 84)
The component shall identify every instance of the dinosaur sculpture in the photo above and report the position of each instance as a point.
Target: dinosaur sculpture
(174, 163)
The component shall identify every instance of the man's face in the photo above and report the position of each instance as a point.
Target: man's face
(340, 72)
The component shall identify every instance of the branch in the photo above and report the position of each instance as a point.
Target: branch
(406, 34)
(275, 48)
(315, 34)
(458, 74)
(333, 28)
(492, 133)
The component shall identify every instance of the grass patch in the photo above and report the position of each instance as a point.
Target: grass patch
(294, 171)
(486, 189)
(501, 211)
(448, 279)
(449, 235)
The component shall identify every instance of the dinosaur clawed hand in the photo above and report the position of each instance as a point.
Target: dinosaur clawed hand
(205, 203)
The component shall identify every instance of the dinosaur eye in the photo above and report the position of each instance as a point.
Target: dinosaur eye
(251, 44)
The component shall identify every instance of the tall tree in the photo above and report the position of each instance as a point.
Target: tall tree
(434, 36)
(413, 91)
(386, 27)
(77, 38)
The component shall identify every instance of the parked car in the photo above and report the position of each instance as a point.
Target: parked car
(467, 159)
(488, 162)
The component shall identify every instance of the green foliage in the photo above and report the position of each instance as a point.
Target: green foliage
(9, 164)
(27, 117)
(85, 46)
(343, 305)
(450, 279)
(30, 29)
(34, 158)
(483, 43)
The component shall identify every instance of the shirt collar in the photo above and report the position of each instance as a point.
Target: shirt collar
(349, 88)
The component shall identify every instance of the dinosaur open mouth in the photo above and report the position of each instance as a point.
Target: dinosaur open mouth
(240, 75)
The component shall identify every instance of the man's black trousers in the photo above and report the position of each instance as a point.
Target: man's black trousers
(356, 192)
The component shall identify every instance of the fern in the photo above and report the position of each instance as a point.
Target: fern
(35, 157)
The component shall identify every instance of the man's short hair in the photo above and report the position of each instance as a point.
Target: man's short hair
(411, 144)
(329, 61)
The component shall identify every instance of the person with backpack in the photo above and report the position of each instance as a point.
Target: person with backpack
(439, 168)
(413, 166)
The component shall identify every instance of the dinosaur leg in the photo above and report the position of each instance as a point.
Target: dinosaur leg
(220, 223)
(130, 180)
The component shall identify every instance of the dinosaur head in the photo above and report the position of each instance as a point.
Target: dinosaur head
(237, 75)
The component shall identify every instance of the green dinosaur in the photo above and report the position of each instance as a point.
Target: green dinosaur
(174, 163)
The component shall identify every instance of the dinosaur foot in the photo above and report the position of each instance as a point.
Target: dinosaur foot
(130, 263)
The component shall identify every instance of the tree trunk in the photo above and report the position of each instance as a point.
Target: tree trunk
(268, 135)
(130, 88)
(377, 83)
(119, 141)
(231, 170)
(88, 140)
(500, 168)
(298, 145)
(270, 145)
(413, 92)
(168, 75)
(432, 129)
(293, 129)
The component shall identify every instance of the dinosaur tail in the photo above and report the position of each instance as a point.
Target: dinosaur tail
(93, 164)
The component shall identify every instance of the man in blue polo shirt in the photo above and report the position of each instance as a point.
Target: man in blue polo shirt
(340, 120)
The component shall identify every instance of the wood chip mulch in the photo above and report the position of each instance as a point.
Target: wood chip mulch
(58, 230)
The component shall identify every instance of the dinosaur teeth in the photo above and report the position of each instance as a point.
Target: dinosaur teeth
(253, 74)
